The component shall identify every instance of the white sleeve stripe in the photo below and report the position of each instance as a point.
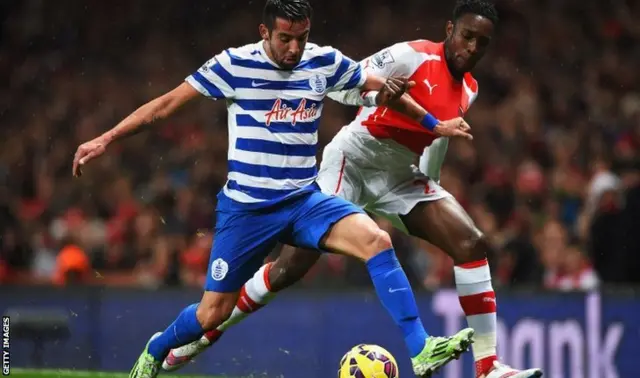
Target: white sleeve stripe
(209, 87)
(197, 86)
(214, 79)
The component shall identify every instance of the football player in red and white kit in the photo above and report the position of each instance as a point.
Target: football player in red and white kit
(370, 162)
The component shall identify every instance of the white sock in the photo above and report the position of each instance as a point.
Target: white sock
(478, 301)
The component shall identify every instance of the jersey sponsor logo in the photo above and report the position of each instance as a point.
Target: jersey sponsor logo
(219, 269)
(283, 113)
(318, 83)
(382, 58)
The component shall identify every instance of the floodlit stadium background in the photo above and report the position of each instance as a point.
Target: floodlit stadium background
(552, 177)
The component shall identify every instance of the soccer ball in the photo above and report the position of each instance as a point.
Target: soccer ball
(368, 361)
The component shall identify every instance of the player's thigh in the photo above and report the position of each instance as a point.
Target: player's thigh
(242, 241)
(338, 174)
(445, 224)
(404, 190)
(333, 224)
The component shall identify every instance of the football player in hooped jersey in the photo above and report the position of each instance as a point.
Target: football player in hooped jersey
(370, 163)
(274, 90)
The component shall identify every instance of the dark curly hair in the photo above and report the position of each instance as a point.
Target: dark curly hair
(482, 8)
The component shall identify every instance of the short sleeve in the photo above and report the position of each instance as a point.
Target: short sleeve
(397, 60)
(347, 75)
(213, 79)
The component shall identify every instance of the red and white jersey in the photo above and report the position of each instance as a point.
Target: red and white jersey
(436, 90)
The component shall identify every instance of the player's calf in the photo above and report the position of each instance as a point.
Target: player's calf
(359, 236)
(478, 301)
(289, 268)
(253, 295)
(214, 309)
(445, 224)
(188, 326)
(192, 322)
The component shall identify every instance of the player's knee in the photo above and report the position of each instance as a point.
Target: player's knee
(482, 247)
(215, 309)
(473, 248)
(377, 241)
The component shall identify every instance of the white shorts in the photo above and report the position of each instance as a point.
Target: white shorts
(378, 175)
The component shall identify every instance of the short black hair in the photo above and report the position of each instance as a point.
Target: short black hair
(482, 8)
(292, 10)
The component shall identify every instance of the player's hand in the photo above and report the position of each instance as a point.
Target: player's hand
(456, 127)
(87, 152)
(393, 89)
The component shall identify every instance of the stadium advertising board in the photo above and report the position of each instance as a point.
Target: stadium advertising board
(570, 335)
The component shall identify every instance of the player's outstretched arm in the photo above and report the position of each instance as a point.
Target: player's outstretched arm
(375, 91)
(394, 61)
(393, 95)
(354, 97)
(389, 90)
(146, 115)
(210, 80)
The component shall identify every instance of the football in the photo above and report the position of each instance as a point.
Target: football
(368, 361)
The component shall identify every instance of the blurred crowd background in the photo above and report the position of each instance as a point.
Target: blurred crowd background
(552, 177)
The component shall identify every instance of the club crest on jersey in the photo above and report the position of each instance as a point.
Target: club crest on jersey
(219, 269)
(283, 113)
(318, 83)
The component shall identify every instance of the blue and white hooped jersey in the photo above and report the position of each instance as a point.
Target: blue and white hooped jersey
(273, 115)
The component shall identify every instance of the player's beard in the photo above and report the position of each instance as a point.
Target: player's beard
(280, 59)
(287, 65)
(449, 56)
(276, 57)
